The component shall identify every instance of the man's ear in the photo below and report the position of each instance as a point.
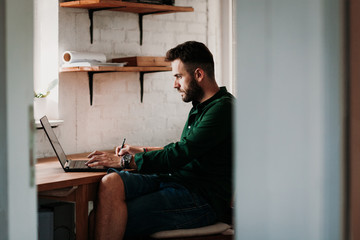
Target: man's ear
(199, 74)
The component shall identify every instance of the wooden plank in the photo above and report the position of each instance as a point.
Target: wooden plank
(126, 6)
(114, 69)
(81, 212)
(143, 61)
(50, 175)
(354, 124)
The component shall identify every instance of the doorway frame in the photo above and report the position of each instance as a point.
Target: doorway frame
(353, 128)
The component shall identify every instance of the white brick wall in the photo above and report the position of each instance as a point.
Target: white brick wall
(116, 111)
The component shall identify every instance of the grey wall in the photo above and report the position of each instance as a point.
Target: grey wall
(289, 120)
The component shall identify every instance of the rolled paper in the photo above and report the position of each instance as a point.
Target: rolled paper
(73, 57)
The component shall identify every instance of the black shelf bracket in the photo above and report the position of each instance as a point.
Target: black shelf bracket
(91, 79)
(141, 22)
(142, 85)
(91, 86)
(91, 76)
(91, 18)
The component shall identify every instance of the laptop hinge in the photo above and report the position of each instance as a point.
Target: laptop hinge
(67, 164)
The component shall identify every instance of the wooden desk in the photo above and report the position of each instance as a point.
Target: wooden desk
(53, 183)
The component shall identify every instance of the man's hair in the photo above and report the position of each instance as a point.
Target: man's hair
(193, 55)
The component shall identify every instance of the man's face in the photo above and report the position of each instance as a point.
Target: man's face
(186, 83)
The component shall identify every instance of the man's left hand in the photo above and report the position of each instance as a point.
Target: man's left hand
(98, 158)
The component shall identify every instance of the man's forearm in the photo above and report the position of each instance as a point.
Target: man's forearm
(149, 149)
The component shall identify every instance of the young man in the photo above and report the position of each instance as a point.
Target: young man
(186, 184)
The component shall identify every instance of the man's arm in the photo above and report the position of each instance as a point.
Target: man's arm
(214, 128)
(128, 149)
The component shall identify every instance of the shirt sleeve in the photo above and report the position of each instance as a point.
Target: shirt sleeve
(204, 135)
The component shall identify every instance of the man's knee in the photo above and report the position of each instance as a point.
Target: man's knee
(111, 183)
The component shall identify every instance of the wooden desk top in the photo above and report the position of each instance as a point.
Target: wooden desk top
(50, 175)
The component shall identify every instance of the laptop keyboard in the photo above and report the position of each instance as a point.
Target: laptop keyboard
(78, 164)
(81, 164)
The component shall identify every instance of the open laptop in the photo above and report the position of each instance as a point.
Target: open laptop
(67, 164)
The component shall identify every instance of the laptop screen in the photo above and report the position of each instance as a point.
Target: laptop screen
(53, 140)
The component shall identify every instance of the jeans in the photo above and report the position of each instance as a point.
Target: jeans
(155, 206)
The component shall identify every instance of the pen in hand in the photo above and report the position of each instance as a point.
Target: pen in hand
(122, 145)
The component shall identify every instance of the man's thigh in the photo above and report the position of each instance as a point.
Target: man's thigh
(172, 206)
(155, 206)
(136, 184)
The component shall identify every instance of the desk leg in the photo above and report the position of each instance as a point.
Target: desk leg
(81, 205)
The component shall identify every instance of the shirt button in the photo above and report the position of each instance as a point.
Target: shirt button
(170, 174)
(189, 127)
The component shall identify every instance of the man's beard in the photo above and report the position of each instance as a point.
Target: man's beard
(193, 93)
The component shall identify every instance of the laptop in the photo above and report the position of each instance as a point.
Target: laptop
(67, 164)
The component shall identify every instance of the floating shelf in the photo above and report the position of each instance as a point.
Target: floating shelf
(118, 5)
(108, 69)
(141, 9)
(114, 69)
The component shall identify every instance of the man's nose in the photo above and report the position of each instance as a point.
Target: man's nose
(176, 84)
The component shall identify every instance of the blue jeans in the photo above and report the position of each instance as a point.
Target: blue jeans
(155, 206)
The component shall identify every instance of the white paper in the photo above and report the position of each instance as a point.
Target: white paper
(93, 64)
(73, 56)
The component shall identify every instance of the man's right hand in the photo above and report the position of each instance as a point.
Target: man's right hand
(127, 149)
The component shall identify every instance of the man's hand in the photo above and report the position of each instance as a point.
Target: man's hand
(127, 149)
(98, 158)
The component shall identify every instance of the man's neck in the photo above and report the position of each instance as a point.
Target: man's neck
(209, 92)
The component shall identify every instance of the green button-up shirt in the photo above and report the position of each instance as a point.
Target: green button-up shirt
(202, 159)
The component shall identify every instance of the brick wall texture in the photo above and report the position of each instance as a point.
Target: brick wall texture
(117, 111)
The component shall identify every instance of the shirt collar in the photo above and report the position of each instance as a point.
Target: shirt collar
(217, 95)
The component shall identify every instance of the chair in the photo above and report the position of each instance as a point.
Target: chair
(218, 231)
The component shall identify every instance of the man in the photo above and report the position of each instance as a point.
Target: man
(186, 184)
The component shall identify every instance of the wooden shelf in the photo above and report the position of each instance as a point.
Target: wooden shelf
(114, 69)
(141, 9)
(118, 5)
(108, 69)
